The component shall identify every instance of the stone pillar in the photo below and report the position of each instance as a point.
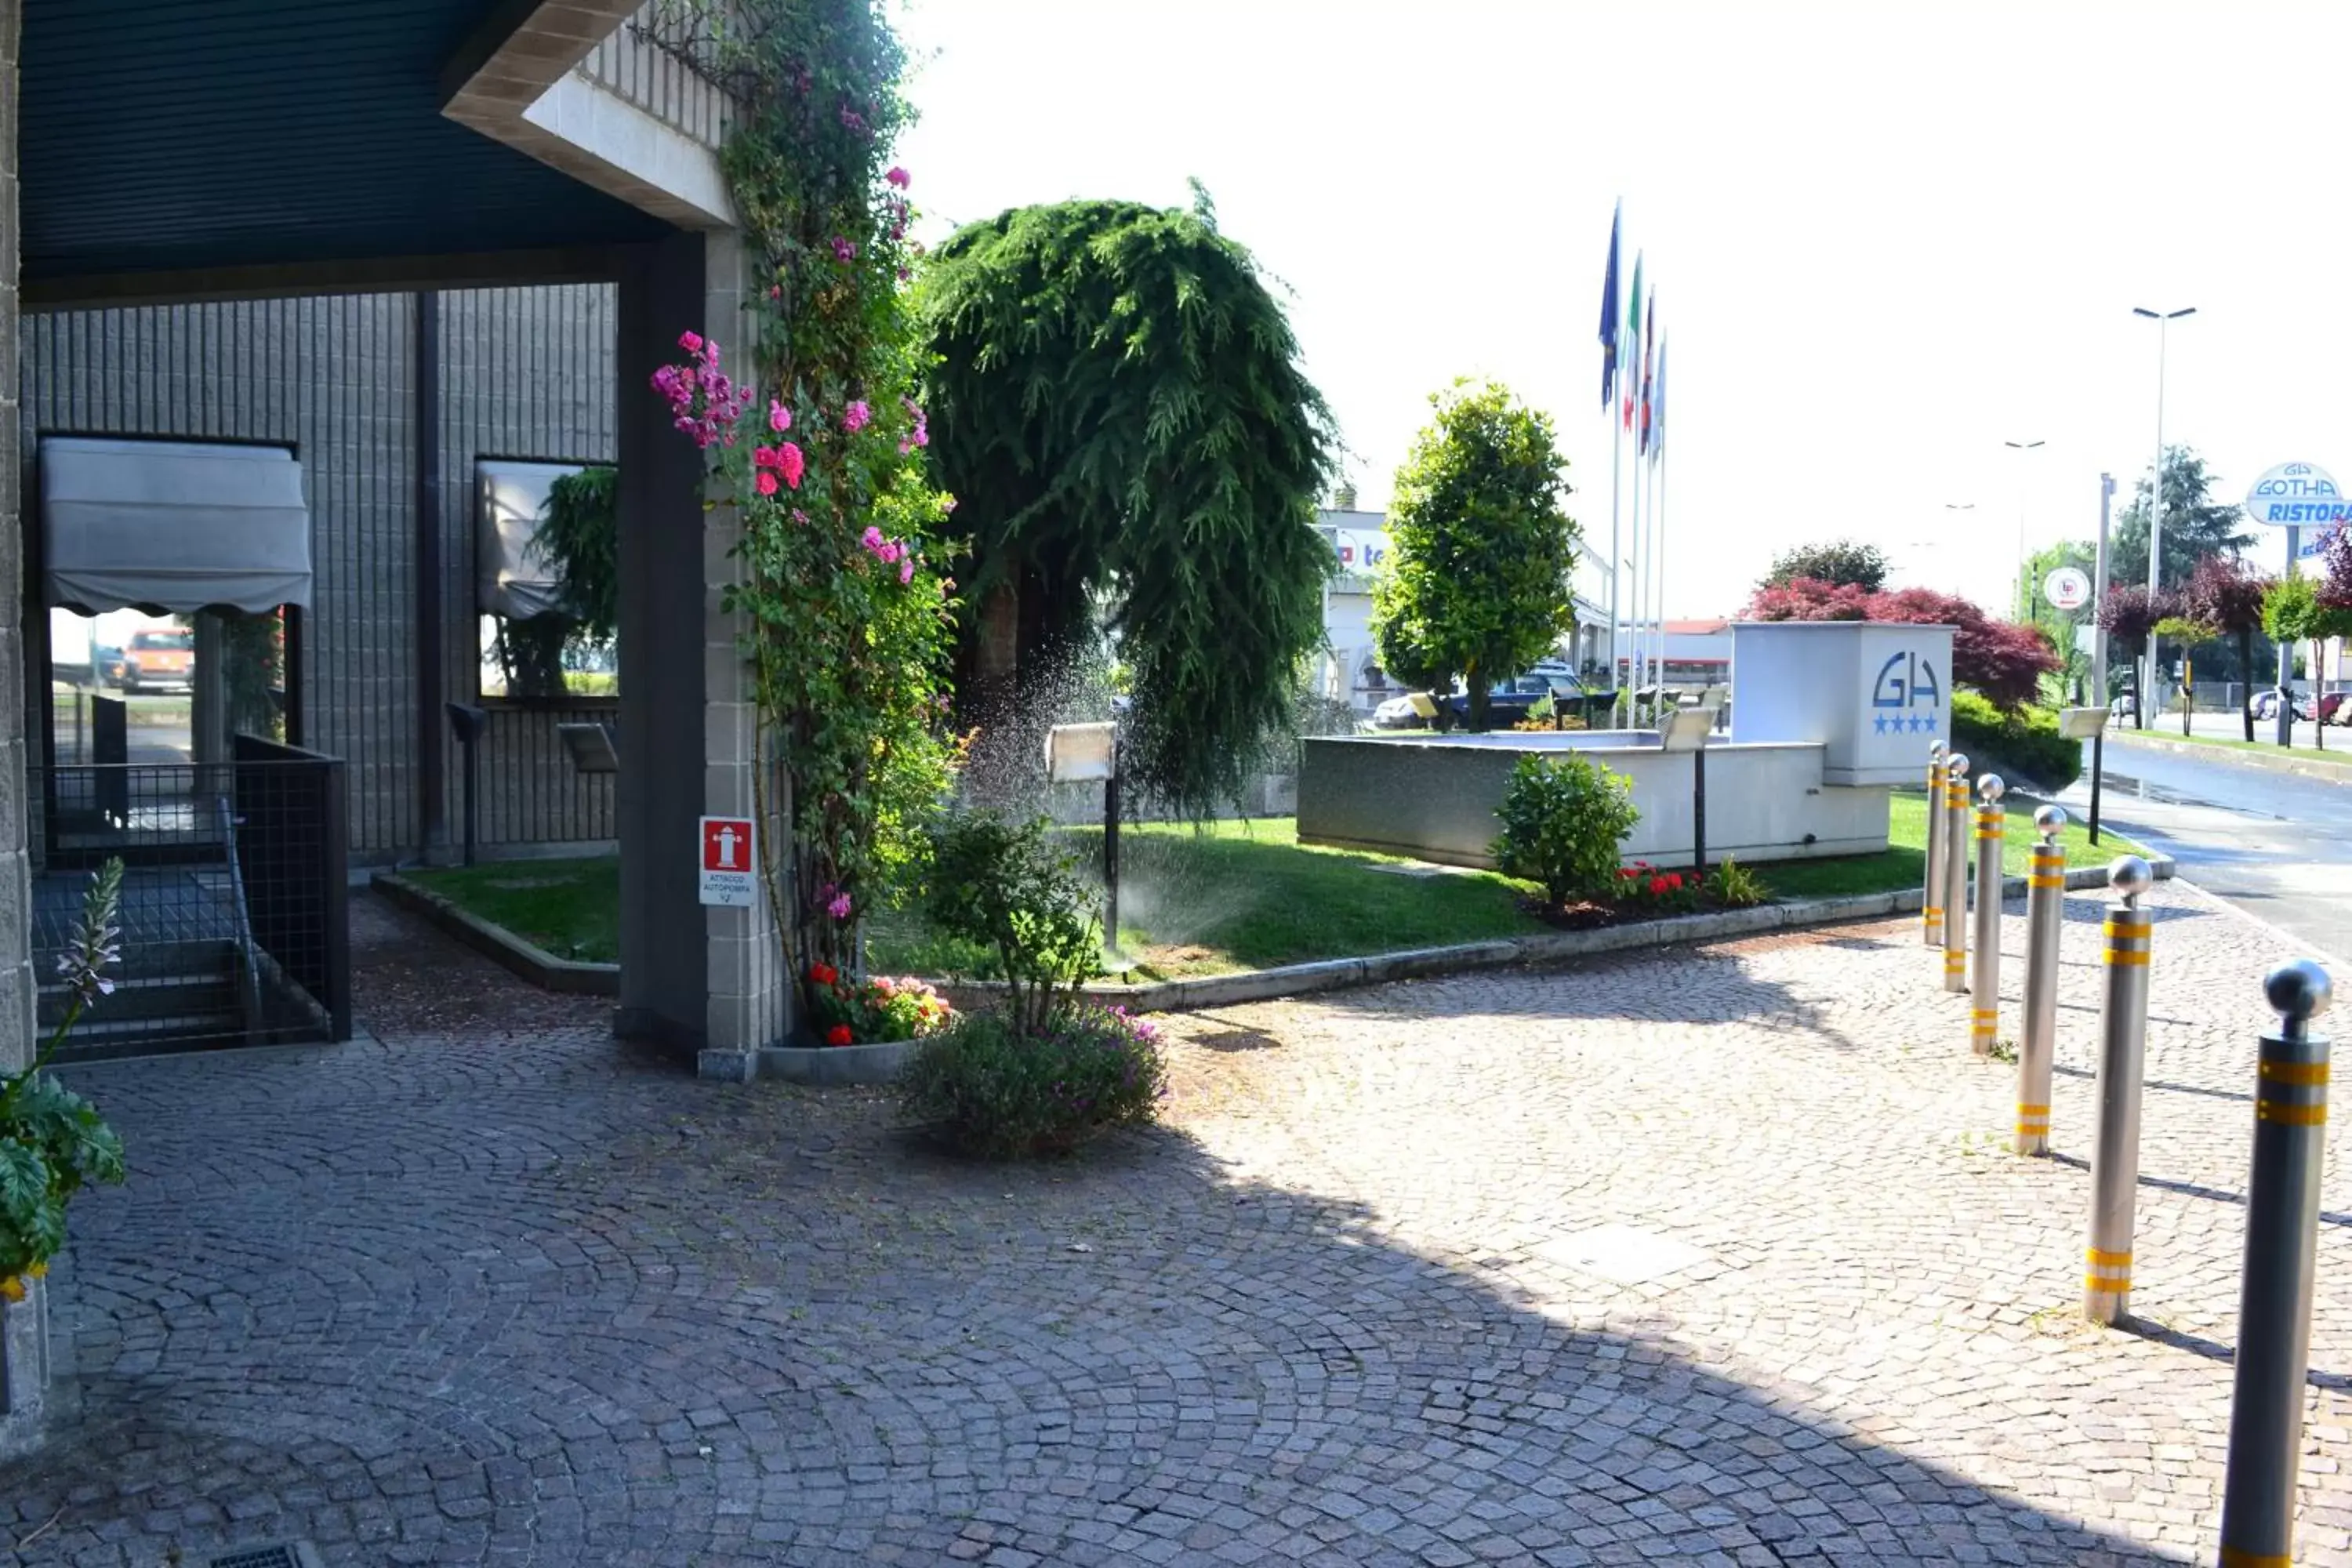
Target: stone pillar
(709, 981)
(23, 1327)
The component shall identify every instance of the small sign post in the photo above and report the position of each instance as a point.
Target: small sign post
(2067, 588)
(1080, 754)
(728, 862)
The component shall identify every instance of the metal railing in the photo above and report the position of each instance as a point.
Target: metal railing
(530, 788)
(235, 914)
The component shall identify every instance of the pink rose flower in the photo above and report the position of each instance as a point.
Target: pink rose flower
(854, 417)
(788, 459)
(780, 418)
(839, 908)
(906, 570)
(690, 341)
(765, 482)
(899, 177)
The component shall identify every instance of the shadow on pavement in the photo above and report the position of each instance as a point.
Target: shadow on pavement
(428, 1302)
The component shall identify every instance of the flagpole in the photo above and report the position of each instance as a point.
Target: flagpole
(1661, 453)
(1616, 539)
(1638, 652)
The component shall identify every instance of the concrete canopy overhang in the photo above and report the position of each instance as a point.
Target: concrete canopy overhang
(200, 148)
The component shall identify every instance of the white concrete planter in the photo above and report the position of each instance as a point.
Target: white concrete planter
(837, 1064)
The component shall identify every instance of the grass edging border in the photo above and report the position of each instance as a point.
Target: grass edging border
(2296, 762)
(542, 968)
(525, 958)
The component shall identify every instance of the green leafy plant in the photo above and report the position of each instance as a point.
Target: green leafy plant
(991, 1088)
(1013, 889)
(1839, 563)
(2025, 740)
(1480, 548)
(818, 450)
(52, 1140)
(1732, 886)
(1563, 821)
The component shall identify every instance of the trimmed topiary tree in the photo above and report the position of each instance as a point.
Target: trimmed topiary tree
(1480, 548)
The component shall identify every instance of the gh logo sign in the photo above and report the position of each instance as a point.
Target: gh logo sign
(1906, 683)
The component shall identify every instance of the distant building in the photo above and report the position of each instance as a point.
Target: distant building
(1359, 539)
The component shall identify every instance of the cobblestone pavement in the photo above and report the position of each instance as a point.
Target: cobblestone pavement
(506, 1294)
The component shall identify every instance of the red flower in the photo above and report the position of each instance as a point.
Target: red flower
(1657, 887)
(1627, 872)
(824, 974)
(838, 1034)
(1674, 880)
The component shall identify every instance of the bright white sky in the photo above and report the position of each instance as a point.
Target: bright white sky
(1886, 235)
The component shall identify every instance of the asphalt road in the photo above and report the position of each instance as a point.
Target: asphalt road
(2277, 846)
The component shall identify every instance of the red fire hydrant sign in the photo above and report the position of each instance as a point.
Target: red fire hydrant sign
(728, 862)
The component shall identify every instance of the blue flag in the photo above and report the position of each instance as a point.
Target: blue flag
(1610, 325)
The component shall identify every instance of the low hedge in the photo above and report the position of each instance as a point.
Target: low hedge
(2027, 741)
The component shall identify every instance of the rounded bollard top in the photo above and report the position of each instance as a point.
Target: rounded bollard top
(1990, 789)
(2299, 990)
(1935, 750)
(2049, 821)
(1957, 764)
(2130, 876)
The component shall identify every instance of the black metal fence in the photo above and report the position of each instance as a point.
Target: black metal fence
(530, 786)
(234, 913)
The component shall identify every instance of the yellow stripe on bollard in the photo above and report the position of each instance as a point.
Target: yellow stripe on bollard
(2308, 1075)
(2233, 1558)
(2045, 881)
(2107, 1271)
(2127, 958)
(2268, 1109)
(2115, 926)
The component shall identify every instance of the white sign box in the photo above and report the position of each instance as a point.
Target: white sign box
(729, 862)
(1876, 695)
(1078, 754)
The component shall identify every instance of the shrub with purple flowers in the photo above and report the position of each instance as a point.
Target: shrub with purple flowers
(52, 1140)
(987, 1089)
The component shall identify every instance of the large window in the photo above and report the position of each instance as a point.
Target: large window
(545, 565)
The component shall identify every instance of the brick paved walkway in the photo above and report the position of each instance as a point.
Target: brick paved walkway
(516, 1298)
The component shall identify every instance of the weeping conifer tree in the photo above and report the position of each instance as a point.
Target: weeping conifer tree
(1118, 408)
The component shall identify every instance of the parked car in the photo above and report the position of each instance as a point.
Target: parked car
(2334, 708)
(161, 659)
(2266, 704)
(1508, 701)
(113, 667)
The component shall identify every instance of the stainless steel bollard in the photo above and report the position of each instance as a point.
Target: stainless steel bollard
(2037, 1035)
(1955, 873)
(1984, 995)
(1931, 912)
(2274, 1302)
(2115, 1157)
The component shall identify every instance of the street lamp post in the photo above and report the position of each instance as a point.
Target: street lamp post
(2025, 562)
(2163, 320)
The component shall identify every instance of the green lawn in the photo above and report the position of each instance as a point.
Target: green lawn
(1240, 895)
(1902, 865)
(571, 908)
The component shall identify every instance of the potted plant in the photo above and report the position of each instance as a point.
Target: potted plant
(52, 1140)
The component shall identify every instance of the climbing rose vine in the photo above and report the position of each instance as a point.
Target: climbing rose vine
(843, 586)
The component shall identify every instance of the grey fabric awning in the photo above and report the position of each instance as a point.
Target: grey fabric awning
(172, 527)
(511, 578)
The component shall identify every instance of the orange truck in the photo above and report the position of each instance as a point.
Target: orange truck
(160, 658)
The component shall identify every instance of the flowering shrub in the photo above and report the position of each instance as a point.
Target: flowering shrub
(1563, 821)
(1644, 886)
(875, 1010)
(842, 582)
(988, 1087)
(52, 1142)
